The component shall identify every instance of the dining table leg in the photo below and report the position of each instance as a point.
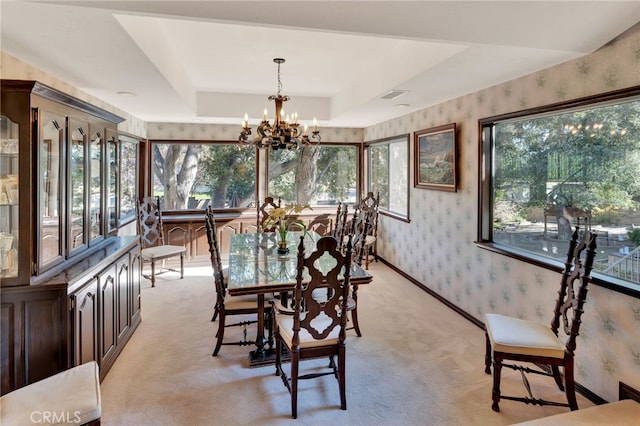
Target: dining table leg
(259, 352)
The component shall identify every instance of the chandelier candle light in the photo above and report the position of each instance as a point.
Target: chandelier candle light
(285, 132)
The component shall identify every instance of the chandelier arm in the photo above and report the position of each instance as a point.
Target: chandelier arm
(283, 134)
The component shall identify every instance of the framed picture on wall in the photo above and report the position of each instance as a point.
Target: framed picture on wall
(435, 158)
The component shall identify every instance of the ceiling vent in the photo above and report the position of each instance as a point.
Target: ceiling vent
(392, 94)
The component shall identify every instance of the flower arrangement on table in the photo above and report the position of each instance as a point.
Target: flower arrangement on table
(280, 219)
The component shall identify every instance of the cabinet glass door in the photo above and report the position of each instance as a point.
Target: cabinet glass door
(77, 204)
(50, 181)
(9, 209)
(95, 185)
(128, 178)
(112, 182)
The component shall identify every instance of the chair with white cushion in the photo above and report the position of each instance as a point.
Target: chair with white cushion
(520, 340)
(225, 305)
(152, 237)
(71, 397)
(317, 327)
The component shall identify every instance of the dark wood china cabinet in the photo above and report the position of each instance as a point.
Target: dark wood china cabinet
(70, 285)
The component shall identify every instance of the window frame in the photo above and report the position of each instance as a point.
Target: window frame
(234, 211)
(320, 207)
(367, 159)
(485, 238)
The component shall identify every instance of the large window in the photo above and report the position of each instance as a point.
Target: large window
(388, 174)
(546, 171)
(315, 175)
(191, 176)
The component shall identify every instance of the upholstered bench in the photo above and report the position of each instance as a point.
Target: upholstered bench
(71, 397)
(620, 413)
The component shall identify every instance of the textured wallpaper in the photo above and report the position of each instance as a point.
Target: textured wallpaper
(194, 131)
(437, 248)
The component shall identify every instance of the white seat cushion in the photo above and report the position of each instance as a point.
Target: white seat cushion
(70, 397)
(369, 240)
(158, 252)
(243, 302)
(516, 336)
(285, 324)
(619, 413)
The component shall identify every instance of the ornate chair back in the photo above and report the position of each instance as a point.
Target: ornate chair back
(263, 212)
(320, 313)
(340, 225)
(150, 222)
(360, 227)
(571, 298)
(214, 254)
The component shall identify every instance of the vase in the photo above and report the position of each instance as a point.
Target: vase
(282, 247)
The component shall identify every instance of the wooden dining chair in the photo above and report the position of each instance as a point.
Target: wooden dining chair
(370, 204)
(358, 230)
(152, 238)
(519, 340)
(226, 305)
(340, 224)
(317, 327)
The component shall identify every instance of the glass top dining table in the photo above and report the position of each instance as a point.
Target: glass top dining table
(256, 267)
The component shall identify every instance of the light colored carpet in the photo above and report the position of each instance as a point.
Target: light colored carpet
(418, 363)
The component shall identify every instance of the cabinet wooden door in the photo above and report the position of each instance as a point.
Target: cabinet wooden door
(136, 273)
(122, 298)
(33, 335)
(85, 323)
(107, 282)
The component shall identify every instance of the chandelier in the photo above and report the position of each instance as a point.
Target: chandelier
(285, 131)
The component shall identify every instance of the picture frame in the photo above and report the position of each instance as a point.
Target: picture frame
(436, 158)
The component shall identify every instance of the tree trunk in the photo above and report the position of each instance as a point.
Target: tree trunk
(306, 171)
(177, 177)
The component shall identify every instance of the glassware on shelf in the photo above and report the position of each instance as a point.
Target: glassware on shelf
(9, 194)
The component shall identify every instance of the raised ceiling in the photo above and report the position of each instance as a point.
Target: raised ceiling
(212, 61)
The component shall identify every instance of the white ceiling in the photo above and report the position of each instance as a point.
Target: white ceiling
(212, 61)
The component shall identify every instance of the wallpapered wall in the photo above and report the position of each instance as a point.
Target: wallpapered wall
(437, 247)
(194, 131)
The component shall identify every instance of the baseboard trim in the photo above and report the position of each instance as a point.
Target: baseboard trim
(591, 396)
(432, 293)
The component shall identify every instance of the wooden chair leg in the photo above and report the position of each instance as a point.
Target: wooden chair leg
(354, 311)
(557, 377)
(569, 385)
(153, 273)
(278, 354)
(354, 319)
(487, 355)
(182, 266)
(294, 384)
(495, 394)
(215, 314)
(219, 334)
(342, 374)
